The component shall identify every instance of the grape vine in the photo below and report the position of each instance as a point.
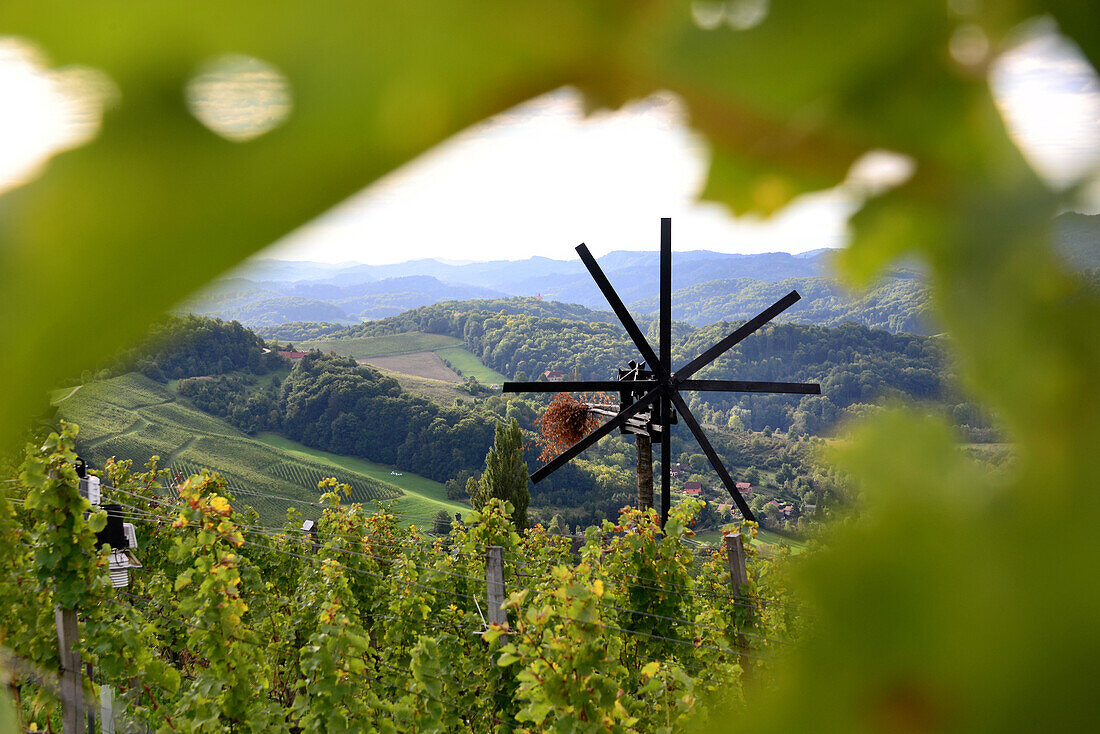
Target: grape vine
(365, 625)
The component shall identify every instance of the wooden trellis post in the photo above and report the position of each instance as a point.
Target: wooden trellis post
(107, 709)
(735, 553)
(739, 576)
(71, 691)
(494, 586)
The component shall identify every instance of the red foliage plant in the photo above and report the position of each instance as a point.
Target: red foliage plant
(564, 422)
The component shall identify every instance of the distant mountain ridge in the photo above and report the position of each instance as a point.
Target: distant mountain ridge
(897, 303)
(518, 277)
(270, 303)
(708, 286)
(273, 292)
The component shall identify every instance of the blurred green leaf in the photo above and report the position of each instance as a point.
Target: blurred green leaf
(114, 233)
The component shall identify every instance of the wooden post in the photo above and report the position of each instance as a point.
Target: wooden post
(69, 654)
(735, 553)
(739, 575)
(107, 709)
(494, 585)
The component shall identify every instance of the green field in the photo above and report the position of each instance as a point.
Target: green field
(364, 347)
(391, 345)
(133, 417)
(423, 497)
(765, 540)
(470, 365)
(444, 393)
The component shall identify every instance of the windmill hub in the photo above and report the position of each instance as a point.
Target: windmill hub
(647, 396)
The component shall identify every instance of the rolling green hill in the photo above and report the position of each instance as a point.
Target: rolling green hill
(133, 417)
(413, 342)
(422, 498)
(364, 347)
(468, 365)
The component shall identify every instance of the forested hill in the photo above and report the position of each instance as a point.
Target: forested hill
(269, 304)
(421, 319)
(898, 303)
(193, 346)
(856, 365)
(331, 403)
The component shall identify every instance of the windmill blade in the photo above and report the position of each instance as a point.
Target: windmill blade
(575, 386)
(792, 388)
(593, 437)
(716, 462)
(747, 328)
(620, 310)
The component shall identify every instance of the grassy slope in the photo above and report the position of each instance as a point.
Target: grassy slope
(470, 365)
(447, 347)
(423, 497)
(364, 347)
(765, 539)
(133, 417)
(444, 393)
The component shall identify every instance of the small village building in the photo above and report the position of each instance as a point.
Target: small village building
(743, 487)
(693, 488)
(554, 375)
(292, 356)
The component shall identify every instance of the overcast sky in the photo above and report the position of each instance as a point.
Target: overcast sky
(542, 177)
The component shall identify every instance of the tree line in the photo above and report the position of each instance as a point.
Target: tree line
(856, 365)
(190, 346)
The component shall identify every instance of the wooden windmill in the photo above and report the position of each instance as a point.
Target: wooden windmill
(650, 397)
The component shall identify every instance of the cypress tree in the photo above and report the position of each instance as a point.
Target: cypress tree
(505, 475)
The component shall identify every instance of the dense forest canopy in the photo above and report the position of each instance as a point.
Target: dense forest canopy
(856, 365)
(853, 364)
(334, 404)
(898, 303)
(190, 346)
(300, 330)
